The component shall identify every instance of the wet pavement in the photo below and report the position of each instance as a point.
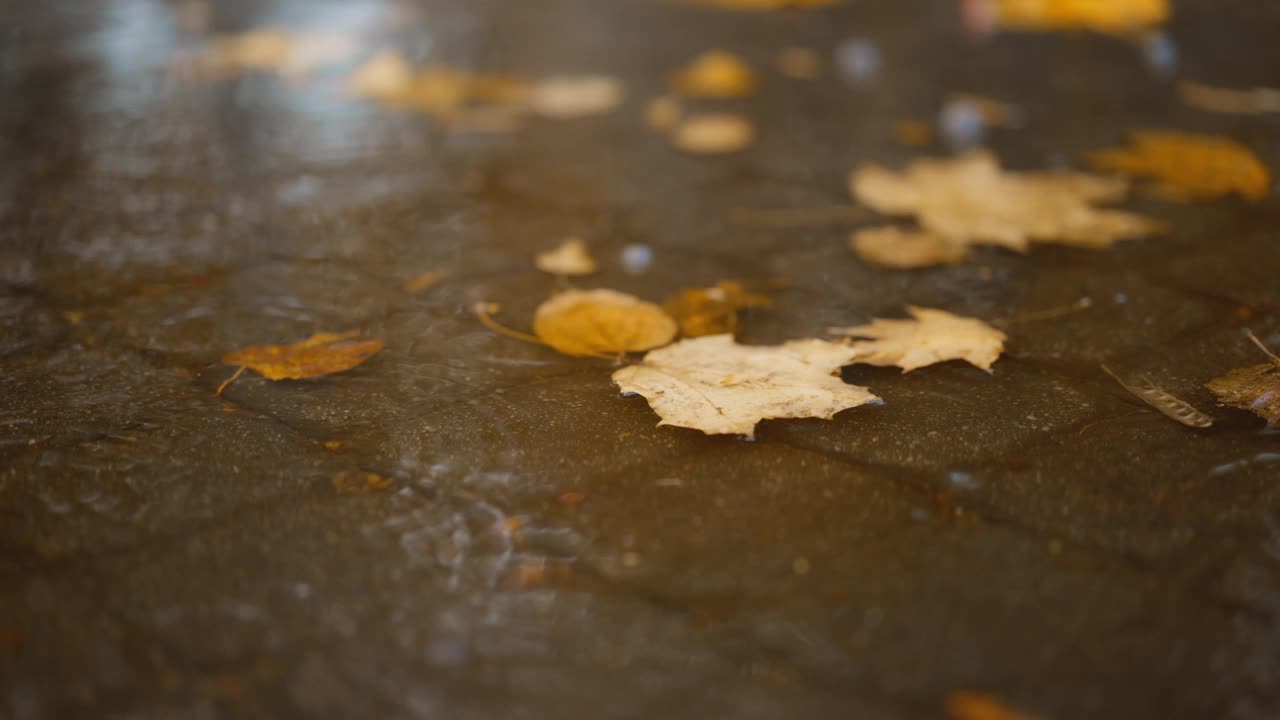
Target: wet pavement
(543, 550)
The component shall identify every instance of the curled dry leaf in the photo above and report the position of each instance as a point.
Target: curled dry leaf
(1189, 166)
(933, 336)
(897, 248)
(570, 258)
(1107, 16)
(595, 323)
(1254, 101)
(319, 355)
(715, 74)
(1255, 388)
(719, 387)
(713, 310)
(970, 705)
(970, 200)
(714, 134)
(573, 96)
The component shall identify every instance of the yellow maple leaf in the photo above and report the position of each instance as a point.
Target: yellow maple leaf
(713, 310)
(1108, 16)
(595, 323)
(970, 200)
(569, 258)
(931, 336)
(321, 354)
(717, 386)
(1189, 166)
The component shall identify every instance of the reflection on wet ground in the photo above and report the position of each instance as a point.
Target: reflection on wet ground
(541, 548)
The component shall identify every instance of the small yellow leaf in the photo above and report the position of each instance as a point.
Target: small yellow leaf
(1186, 165)
(714, 385)
(319, 355)
(1107, 16)
(714, 134)
(932, 336)
(715, 74)
(570, 258)
(970, 705)
(713, 310)
(594, 323)
(569, 96)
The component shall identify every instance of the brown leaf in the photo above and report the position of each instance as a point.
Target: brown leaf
(319, 355)
(596, 323)
(713, 310)
(1189, 166)
(1253, 101)
(1255, 388)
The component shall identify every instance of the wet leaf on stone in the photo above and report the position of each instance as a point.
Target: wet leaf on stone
(897, 248)
(712, 310)
(1106, 16)
(1187, 166)
(1255, 388)
(319, 355)
(970, 200)
(568, 259)
(596, 323)
(713, 133)
(715, 74)
(932, 336)
(717, 386)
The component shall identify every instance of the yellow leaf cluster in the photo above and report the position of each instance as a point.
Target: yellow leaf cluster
(1187, 166)
(1108, 16)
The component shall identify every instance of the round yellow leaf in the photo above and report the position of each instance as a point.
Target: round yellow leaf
(601, 322)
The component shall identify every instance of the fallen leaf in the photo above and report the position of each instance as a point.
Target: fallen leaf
(713, 310)
(384, 76)
(1189, 166)
(595, 323)
(1254, 101)
(897, 248)
(283, 51)
(933, 336)
(319, 355)
(714, 134)
(800, 63)
(1168, 405)
(570, 258)
(970, 705)
(436, 89)
(719, 387)
(1255, 388)
(1106, 16)
(573, 96)
(970, 200)
(715, 74)
(662, 113)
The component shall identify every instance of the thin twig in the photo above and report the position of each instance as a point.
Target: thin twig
(228, 381)
(1263, 348)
